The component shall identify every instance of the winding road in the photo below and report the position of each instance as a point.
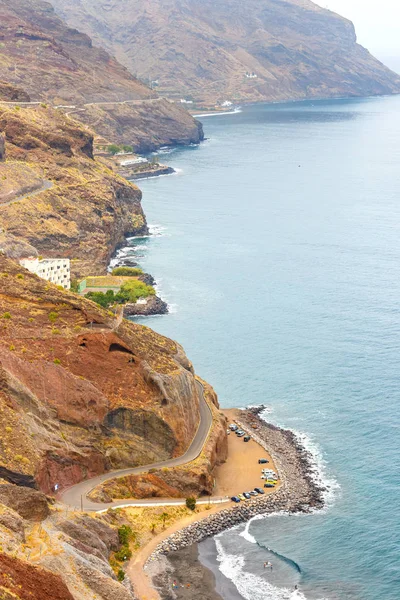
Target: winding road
(76, 496)
(46, 185)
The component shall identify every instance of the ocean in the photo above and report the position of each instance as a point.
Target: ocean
(277, 246)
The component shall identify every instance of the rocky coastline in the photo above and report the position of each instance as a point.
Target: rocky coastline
(153, 305)
(147, 173)
(299, 492)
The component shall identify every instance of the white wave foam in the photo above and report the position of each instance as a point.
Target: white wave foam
(319, 468)
(250, 586)
(156, 230)
(246, 533)
(220, 114)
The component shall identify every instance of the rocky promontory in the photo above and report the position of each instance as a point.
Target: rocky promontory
(153, 305)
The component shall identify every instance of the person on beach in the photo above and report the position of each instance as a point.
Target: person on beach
(268, 565)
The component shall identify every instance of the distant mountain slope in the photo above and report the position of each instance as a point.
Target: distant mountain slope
(51, 62)
(208, 49)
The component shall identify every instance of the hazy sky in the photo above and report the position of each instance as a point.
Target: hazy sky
(377, 24)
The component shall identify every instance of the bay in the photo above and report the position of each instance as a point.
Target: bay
(278, 248)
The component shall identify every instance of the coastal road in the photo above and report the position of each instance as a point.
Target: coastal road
(76, 496)
(47, 185)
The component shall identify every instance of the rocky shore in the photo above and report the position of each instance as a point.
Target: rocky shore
(299, 492)
(153, 305)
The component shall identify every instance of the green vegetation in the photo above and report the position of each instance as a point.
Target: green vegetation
(125, 534)
(126, 271)
(130, 291)
(57, 361)
(124, 553)
(53, 316)
(113, 149)
(7, 315)
(191, 502)
(120, 575)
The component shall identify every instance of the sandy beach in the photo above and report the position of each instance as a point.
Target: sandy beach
(171, 558)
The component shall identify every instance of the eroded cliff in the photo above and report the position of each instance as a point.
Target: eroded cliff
(82, 393)
(83, 210)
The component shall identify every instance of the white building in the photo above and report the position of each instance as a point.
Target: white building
(55, 270)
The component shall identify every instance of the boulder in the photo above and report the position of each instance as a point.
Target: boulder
(28, 503)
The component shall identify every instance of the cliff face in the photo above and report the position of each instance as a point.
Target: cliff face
(204, 49)
(83, 211)
(164, 122)
(54, 63)
(81, 394)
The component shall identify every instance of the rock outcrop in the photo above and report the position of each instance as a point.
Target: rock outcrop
(29, 504)
(11, 93)
(84, 211)
(258, 50)
(82, 393)
(2, 148)
(21, 581)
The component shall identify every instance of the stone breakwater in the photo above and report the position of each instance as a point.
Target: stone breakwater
(298, 492)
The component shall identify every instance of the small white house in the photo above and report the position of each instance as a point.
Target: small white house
(55, 270)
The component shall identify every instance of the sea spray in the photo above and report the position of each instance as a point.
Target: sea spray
(249, 585)
(318, 470)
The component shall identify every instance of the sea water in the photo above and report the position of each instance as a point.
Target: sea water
(278, 249)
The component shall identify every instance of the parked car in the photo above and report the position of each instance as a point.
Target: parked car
(259, 490)
(246, 438)
(246, 495)
(263, 461)
(253, 493)
(233, 427)
(269, 485)
(240, 433)
(236, 499)
(241, 497)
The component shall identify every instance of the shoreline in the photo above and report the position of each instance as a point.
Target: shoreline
(299, 492)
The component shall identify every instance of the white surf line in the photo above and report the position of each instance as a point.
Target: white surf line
(219, 114)
(180, 503)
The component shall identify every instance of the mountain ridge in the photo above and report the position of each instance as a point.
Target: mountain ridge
(209, 51)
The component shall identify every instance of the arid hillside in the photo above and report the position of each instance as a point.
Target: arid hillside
(82, 393)
(54, 63)
(216, 50)
(78, 208)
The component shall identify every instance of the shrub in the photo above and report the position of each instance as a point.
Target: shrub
(102, 299)
(7, 315)
(123, 553)
(125, 534)
(55, 331)
(113, 149)
(57, 361)
(127, 148)
(20, 276)
(131, 291)
(120, 575)
(191, 502)
(53, 316)
(126, 271)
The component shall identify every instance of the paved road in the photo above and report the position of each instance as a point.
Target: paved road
(76, 496)
(46, 186)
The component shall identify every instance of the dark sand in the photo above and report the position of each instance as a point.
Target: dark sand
(197, 580)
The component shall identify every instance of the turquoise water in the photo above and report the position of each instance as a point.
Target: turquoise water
(278, 249)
